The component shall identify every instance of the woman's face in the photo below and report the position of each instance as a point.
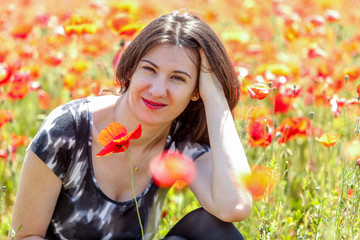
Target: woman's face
(162, 85)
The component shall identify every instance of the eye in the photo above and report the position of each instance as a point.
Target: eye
(150, 69)
(178, 78)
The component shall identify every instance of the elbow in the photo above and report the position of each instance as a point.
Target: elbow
(238, 212)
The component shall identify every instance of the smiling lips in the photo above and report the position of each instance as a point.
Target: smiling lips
(153, 105)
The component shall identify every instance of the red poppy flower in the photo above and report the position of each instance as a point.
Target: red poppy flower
(130, 30)
(328, 139)
(260, 132)
(18, 141)
(291, 128)
(18, 91)
(282, 103)
(115, 138)
(353, 72)
(358, 90)
(316, 52)
(3, 153)
(332, 15)
(5, 73)
(170, 167)
(258, 90)
(54, 58)
(315, 20)
(23, 76)
(118, 21)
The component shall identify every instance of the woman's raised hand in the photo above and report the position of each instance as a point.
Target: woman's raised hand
(209, 85)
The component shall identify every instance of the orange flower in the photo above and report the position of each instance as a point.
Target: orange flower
(79, 66)
(170, 167)
(21, 31)
(260, 132)
(18, 141)
(69, 81)
(291, 128)
(118, 21)
(130, 30)
(5, 73)
(115, 138)
(43, 99)
(95, 47)
(18, 91)
(258, 90)
(79, 25)
(328, 139)
(35, 71)
(353, 72)
(260, 182)
(5, 117)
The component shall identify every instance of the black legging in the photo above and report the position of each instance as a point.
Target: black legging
(200, 225)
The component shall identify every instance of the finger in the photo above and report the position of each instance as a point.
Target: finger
(204, 60)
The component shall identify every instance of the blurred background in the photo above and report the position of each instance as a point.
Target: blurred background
(298, 118)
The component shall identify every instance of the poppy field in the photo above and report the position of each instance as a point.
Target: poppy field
(298, 64)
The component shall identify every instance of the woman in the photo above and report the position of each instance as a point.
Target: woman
(178, 82)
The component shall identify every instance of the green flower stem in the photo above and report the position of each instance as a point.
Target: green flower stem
(133, 189)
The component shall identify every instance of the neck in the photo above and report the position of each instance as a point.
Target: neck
(151, 134)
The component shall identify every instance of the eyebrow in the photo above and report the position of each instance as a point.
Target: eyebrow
(156, 66)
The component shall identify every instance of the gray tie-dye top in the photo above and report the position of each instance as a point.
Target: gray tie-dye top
(83, 211)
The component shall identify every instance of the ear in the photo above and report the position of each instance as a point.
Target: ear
(195, 96)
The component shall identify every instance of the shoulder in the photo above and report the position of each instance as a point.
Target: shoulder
(64, 116)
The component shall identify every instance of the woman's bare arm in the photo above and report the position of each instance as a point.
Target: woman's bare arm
(36, 198)
(217, 185)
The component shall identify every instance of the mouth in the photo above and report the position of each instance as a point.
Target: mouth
(153, 105)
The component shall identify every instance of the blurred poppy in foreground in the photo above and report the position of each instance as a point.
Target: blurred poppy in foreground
(260, 182)
(328, 139)
(358, 90)
(170, 167)
(258, 90)
(115, 138)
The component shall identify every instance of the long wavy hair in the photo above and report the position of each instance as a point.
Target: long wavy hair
(186, 31)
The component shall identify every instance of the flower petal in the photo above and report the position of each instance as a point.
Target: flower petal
(111, 132)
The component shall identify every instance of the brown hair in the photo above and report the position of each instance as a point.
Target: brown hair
(190, 32)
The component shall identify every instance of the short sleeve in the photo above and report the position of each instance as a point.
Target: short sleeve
(55, 139)
(193, 150)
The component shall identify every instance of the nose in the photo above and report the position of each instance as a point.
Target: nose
(158, 88)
